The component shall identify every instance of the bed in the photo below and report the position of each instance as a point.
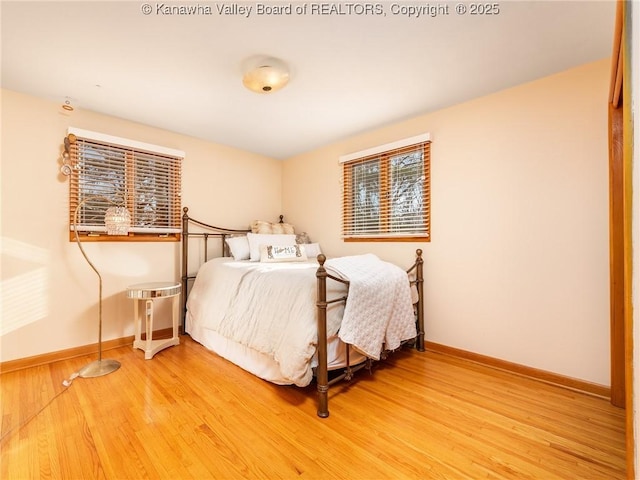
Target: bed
(268, 300)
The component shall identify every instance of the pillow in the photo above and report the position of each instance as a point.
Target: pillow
(239, 247)
(312, 250)
(257, 239)
(303, 238)
(258, 226)
(282, 228)
(262, 227)
(285, 253)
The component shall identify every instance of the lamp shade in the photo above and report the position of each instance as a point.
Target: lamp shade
(268, 75)
(117, 220)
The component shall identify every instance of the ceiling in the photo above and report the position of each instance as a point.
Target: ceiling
(350, 72)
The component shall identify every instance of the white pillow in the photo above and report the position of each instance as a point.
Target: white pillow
(257, 239)
(283, 253)
(312, 250)
(239, 247)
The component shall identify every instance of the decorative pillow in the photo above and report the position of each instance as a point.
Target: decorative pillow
(257, 239)
(262, 227)
(282, 228)
(284, 253)
(258, 226)
(303, 238)
(239, 247)
(312, 250)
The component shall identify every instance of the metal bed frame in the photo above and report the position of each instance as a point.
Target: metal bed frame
(206, 232)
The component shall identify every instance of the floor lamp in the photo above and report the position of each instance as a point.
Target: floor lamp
(117, 220)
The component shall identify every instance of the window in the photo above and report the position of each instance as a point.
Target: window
(109, 170)
(386, 195)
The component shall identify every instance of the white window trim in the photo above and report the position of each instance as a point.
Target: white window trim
(125, 142)
(425, 137)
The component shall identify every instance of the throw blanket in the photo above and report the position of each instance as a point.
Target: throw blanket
(379, 311)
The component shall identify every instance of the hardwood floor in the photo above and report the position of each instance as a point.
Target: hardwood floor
(187, 413)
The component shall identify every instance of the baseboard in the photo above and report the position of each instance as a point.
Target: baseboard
(37, 360)
(540, 375)
(534, 373)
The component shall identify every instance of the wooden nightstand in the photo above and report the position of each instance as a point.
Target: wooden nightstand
(148, 293)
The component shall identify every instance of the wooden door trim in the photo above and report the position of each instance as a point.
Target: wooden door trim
(620, 223)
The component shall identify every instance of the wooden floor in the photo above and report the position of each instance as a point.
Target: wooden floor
(187, 413)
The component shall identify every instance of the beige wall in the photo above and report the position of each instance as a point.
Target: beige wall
(517, 268)
(49, 293)
(518, 264)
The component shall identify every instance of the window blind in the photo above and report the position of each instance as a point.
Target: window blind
(386, 194)
(146, 181)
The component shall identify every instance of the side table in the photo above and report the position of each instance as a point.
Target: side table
(148, 293)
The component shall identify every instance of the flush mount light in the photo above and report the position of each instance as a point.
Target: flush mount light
(67, 105)
(265, 75)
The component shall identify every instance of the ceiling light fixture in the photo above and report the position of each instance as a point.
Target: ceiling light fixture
(266, 75)
(67, 104)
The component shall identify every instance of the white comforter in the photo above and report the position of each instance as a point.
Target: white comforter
(271, 308)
